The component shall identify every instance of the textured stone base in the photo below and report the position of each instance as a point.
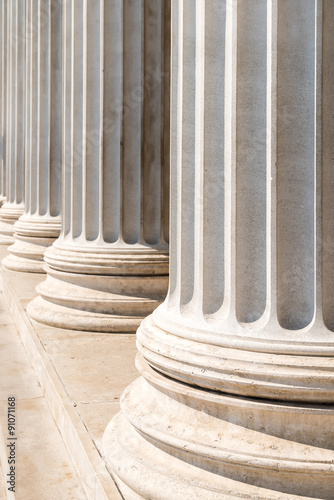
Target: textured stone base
(32, 238)
(176, 441)
(96, 303)
(27, 256)
(59, 316)
(9, 214)
(100, 291)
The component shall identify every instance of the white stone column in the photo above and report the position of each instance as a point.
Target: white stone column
(14, 204)
(109, 268)
(3, 98)
(40, 224)
(237, 387)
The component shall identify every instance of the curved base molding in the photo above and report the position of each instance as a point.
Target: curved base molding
(9, 214)
(176, 441)
(235, 370)
(26, 255)
(96, 303)
(69, 318)
(32, 237)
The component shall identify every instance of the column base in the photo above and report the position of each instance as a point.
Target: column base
(9, 214)
(32, 238)
(115, 301)
(175, 441)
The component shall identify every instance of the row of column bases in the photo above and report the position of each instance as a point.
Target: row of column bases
(100, 121)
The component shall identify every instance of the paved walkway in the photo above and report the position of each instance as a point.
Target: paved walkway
(43, 468)
(80, 376)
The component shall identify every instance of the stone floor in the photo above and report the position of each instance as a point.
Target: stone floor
(68, 386)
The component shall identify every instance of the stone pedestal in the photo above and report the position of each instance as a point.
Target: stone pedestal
(40, 224)
(12, 208)
(236, 394)
(109, 268)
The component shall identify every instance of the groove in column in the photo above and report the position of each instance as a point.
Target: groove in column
(166, 117)
(56, 108)
(93, 108)
(67, 136)
(295, 163)
(214, 147)
(43, 105)
(33, 133)
(152, 112)
(28, 106)
(327, 164)
(251, 143)
(132, 124)
(175, 147)
(78, 105)
(188, 154)
(112, 127)
(20, 61)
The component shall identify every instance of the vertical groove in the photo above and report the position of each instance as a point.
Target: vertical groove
(9, 116)
(175, 146)
(132, 116)
(32, 172)
(20, 61)
(28, 109)
(295, 163)
(214, 147)
(327, 164)
(251, 142)
(188, 153)
(165, 153)
(55, 108)
(43, 106)
(77, 118)
(152, 112)
(67, 120)
(92, 97)
(197, 299)
(112, 122)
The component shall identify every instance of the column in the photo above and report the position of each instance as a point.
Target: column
(40, 224)
(15, 117)
(236, 394)
(109, 267)
(3, 98)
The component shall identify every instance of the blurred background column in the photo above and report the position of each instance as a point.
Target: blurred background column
(13, 207)
(109, 267)
(40, 224)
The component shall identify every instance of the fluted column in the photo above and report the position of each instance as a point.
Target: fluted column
(237, 387)
(3, 98)
(15, 121)
(40, 224)
(109, 268)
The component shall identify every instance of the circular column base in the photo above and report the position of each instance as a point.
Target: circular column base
(96, 302)
(9, 214)
(176, 441)
(33, 235)
(26, 254)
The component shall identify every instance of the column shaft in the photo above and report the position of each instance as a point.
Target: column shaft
(15, 102)
(236, 394)
(109, 267)
(40, 224)
(3, 98)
